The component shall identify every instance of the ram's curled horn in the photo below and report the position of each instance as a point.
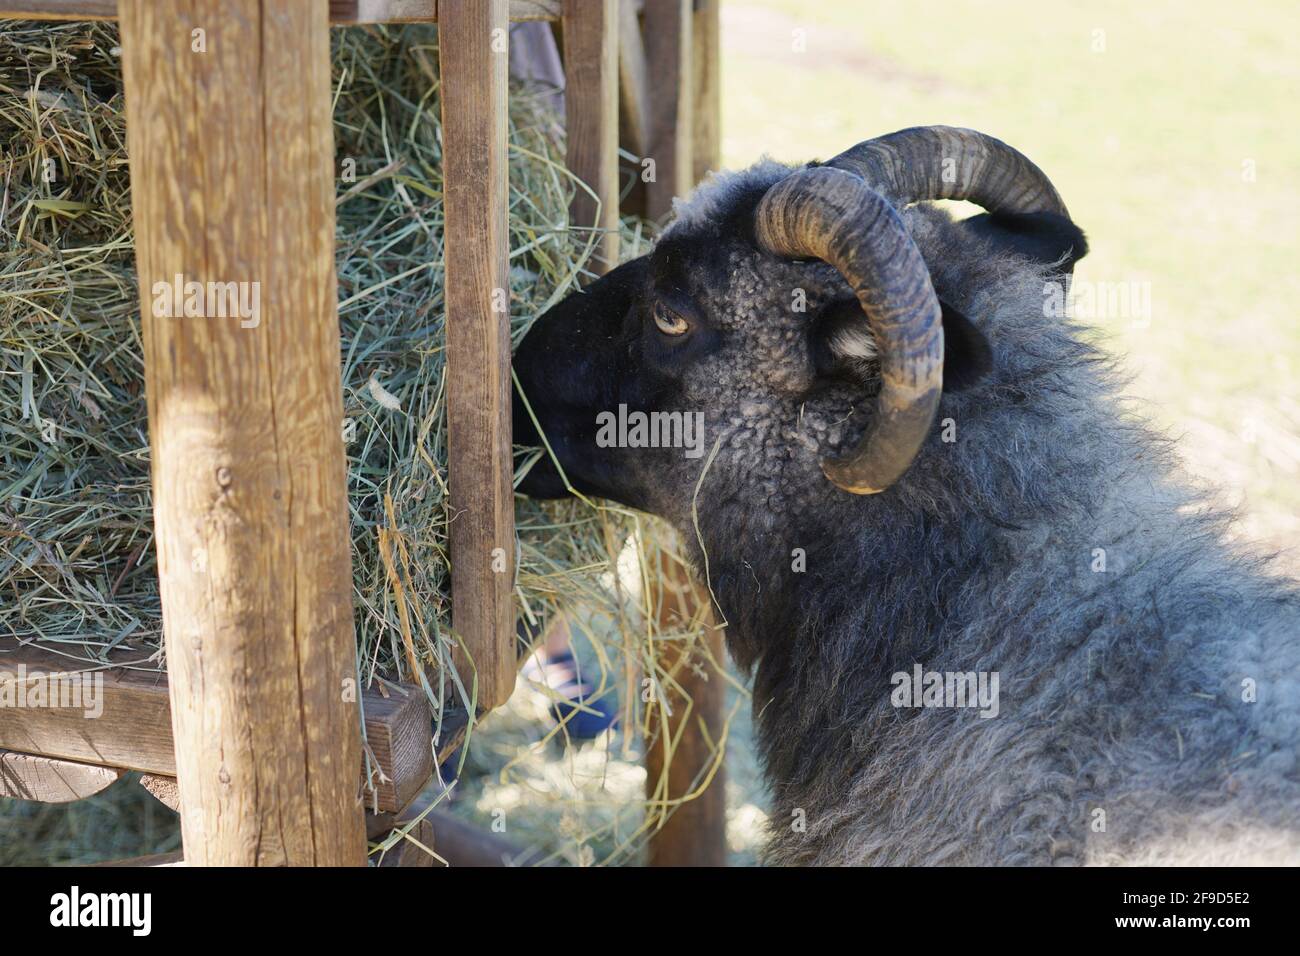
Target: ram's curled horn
(833, 215)
(945, 162)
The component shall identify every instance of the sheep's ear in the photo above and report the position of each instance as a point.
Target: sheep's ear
(1041, 236)
(843, 346)
(967, 357)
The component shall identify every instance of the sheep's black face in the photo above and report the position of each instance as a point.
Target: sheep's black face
(579, 360)
(710, 352)
(704, 342)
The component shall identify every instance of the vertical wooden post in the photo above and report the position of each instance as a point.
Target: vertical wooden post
(683, 753)
(231, 146)
(591, 106)
(668, 46)
(634, 93)
(473, 57)
(706, 94)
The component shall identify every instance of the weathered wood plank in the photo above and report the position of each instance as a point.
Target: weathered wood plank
(122, 718)
(230, 139)
(668, 45)
(400, 742)
(342, 12)
(401, 739)
(458, 842)
(133, 731)
(407, 853)
(682, 759)
(634, 87)
(59, 9)
(474, 66)
(683, 751)
(175, 858)
(463, 844)
(706, 110)
(49, 780)
(591, 106)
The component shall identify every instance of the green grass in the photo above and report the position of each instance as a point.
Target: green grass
(1146, 140)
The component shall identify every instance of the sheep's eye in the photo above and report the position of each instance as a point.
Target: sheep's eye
(668, 321)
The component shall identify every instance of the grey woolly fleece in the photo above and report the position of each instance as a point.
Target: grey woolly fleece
(1149, 671)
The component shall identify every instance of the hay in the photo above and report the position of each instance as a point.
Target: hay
(77, 562)
(77, 565)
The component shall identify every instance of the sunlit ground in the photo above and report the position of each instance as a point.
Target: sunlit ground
(583, 805)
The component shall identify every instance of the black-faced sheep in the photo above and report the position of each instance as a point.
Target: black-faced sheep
(840, 341)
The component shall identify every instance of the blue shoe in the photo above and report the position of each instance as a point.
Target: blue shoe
(584, 717)
(583, 724)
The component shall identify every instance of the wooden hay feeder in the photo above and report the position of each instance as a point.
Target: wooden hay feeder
(253, 734)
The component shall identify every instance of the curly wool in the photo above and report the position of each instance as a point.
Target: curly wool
(1149, 712)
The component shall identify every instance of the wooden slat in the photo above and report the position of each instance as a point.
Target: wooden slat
(397, 731)
(401, 740)
(48, 780)
(668, 44)
(682, 752)
(232, 181)
(408, 854)
(591, 107)
(59, 9)
(473, 61)
(463, 844)
(634, 89)
(405, 854)
(456, 841)
(133, 730)
(342, 12)
(175, 858)
(706, 109)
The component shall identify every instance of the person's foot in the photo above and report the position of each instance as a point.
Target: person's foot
(584, 716)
